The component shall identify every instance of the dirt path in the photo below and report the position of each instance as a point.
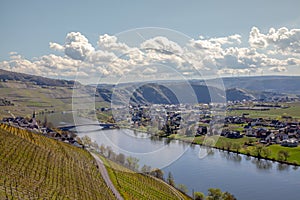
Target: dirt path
(106, 178)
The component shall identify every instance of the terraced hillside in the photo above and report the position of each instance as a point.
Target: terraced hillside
(36, 167)
(133, 185)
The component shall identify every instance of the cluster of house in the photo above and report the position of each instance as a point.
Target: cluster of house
(33, 126)
(180, 117)
(286, 133)
(140, 115)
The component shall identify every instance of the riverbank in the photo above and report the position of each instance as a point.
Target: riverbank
(247, 146)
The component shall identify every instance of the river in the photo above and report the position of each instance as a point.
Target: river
(245, 177)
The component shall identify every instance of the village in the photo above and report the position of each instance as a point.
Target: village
(45, 128)
(197, 120)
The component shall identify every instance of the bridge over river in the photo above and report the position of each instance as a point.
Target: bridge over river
(103, 125)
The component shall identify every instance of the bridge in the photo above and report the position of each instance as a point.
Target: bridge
(103, 125)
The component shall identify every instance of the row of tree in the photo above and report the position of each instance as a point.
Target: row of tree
(133, 164)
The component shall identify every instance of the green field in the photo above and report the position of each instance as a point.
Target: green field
(293, 152)
(36, 167)
(28, 97)
(132, 185)
(293, 111)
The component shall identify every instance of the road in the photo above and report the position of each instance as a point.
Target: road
(106, 178)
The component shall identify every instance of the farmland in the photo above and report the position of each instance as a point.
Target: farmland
(35, 167)
(134, 185)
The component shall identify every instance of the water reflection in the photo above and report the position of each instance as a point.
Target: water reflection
(231, 156)
(283, 167)
(262, 164)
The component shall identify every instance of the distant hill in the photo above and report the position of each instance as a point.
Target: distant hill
(264, 88)
(6, 75)
(180, 92)
(278, 84)
(156, 93)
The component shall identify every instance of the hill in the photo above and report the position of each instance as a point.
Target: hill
(38, 80)
(134, 185)
(20, 94)
(174, 92)
(23, 93)
(36, 167)
(278, 84)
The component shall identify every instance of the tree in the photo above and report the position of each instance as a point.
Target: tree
(109, 151)
(214, 194)
(228, 196)
(94, 145)
(146, 169)
(170, 179)
(120, 158)
(237, 147)
(227, 145)
(113, 156)
(86, 140)
(199, 196)
(132, 163)
(182, 188)
(283, 155)
(217, 194)
(258, 150)
(266, 152)
(45, 123)
(158, 173)
(102, 149)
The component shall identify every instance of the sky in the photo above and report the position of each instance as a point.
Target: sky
(71, 38)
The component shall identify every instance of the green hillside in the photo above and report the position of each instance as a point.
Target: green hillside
(132, 185)
(36, 167)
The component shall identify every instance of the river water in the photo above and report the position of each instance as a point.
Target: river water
(245, 177)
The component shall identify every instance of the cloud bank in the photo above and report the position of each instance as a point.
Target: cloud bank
(272, 52)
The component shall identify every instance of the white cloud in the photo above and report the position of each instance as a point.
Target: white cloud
(282, 40)
(275, 51)
(77, 46)
(278, 69)
(162, 45)
(110, 43)
(256, 39)
(56, 46)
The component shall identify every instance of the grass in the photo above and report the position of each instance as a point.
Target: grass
(36, 167)
(28, 97)
(132, 185)
(245, 145)
(294, 153)
(293, 111)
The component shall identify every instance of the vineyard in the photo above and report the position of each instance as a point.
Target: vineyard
(33, 166)
(133, 185)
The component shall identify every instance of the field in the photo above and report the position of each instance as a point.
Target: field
(294, 153)
(293, 111)
(28, 97)
(133, 185)
(36, 167)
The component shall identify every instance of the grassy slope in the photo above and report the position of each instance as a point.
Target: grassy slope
(36, 167)
(133, 185)
(28, 97)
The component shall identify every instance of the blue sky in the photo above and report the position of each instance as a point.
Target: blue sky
(28, 26)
